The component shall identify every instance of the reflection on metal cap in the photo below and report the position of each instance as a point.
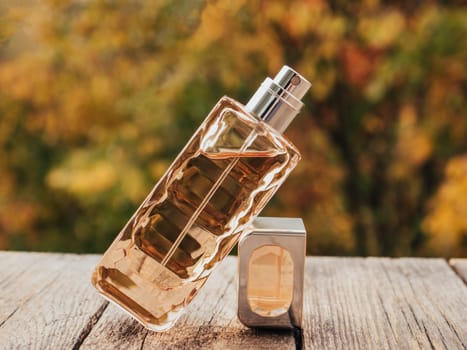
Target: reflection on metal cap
(278, 100)
(271, 270)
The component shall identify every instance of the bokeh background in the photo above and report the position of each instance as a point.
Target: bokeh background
(97, 97)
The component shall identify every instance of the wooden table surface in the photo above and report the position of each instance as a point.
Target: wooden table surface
(47, 302)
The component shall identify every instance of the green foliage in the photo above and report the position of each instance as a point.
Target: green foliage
(96, 98)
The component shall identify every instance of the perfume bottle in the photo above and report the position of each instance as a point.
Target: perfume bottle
(271, 259)
(195, 214)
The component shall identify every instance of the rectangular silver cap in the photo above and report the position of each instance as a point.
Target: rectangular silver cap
(271, 273)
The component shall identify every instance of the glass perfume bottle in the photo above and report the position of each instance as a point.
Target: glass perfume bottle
(195, 214)
(271, 258)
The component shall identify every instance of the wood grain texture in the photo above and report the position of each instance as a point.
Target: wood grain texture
(381, 303)
(47, 302)
(210, 322)
(460, 267)
(15, 269)
(51, 299)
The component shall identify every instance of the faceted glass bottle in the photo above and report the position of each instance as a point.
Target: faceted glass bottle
(195, 214)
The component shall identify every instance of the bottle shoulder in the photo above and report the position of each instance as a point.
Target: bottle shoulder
(228, 104)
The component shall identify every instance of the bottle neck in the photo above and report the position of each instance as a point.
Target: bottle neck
(277, 101)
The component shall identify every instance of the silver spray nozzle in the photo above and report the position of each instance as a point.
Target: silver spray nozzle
(278, 100)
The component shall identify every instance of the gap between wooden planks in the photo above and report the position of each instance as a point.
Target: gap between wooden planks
(46, 302)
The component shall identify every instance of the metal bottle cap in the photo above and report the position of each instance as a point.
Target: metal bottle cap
(271, 270)
(278, 100)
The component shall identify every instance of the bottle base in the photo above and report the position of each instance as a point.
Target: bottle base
(134, 310)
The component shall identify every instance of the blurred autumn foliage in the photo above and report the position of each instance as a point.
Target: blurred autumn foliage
(97, 97)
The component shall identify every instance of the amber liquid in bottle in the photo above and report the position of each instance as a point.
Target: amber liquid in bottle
(195, 214)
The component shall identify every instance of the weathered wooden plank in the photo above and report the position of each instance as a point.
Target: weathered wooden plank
(115, 330)
(54, 303)
(460, 267)
(46, 301)
(210, 322)
(381, 303)
(17, 269)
